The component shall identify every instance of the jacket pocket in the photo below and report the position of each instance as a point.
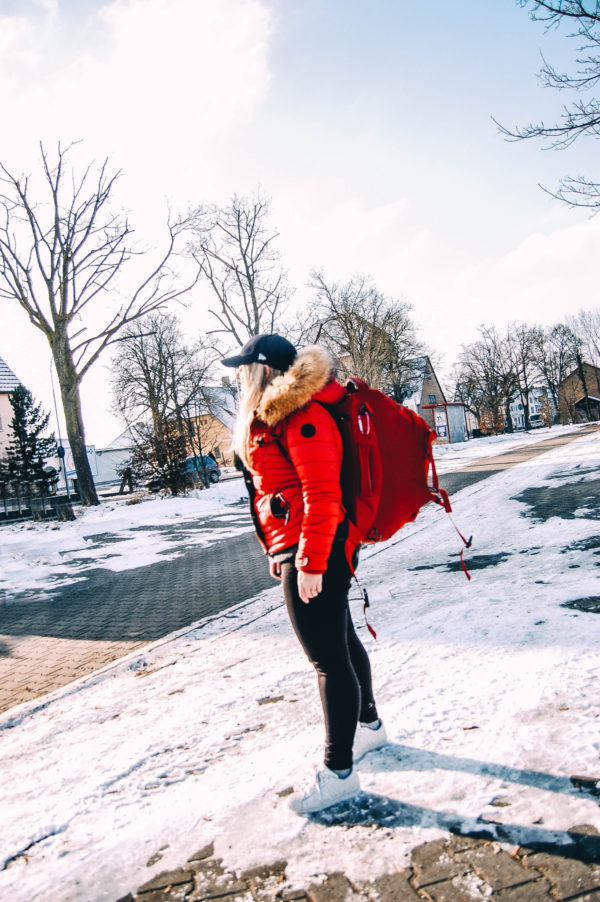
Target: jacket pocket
(280, 508)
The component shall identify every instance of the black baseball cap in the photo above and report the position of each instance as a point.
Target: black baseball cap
(274, 350)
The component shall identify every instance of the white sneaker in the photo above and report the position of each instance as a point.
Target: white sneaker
(328, 789)
(367, 740)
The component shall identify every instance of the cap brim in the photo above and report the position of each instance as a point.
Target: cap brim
(234, 361)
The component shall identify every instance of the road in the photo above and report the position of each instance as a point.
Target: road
(45, 644)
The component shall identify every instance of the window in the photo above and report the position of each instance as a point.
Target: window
(432, 399)
(217, 452)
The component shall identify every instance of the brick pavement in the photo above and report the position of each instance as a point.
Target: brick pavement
(102, 617)
(456, 869)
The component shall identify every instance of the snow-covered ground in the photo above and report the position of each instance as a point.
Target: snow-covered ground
(488, 689)
(117, 535)
(36, 557)
(457, 456)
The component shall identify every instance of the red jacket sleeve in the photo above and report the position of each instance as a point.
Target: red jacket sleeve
(315, 448)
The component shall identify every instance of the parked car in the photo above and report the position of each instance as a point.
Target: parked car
(198, 468)
(203, 468)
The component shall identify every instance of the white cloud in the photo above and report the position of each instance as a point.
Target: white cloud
(153, 83)
(541, 279)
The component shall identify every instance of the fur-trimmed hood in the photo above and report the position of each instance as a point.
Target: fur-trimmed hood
(312, 369)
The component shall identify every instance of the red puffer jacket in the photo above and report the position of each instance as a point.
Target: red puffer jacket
(297, 497)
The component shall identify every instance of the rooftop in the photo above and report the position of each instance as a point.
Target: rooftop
(8, 380)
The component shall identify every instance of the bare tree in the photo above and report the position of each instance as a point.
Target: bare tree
(159, 385)
(235, 250)
(504, 369)
(555, 351)
(484, 378)
(521, 342)
(371, 335)
(60, 255)
(581, 115)
(467, 389)
(585, 327)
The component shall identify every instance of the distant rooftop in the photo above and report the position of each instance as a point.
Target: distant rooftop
(8, 380)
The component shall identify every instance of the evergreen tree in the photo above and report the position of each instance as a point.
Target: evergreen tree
(29, 449)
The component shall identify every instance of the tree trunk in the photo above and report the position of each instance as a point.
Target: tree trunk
(525, 400)
(581, 371)
(69, 390)
(508, 423)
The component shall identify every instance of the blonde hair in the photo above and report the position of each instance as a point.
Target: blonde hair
(253, 380)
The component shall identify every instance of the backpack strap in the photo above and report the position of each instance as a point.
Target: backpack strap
(440, 496)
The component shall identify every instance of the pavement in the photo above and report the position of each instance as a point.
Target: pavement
(85, 625)
(457, 869)
(88, 624)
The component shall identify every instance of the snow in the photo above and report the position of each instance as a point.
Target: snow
(117, 535)
(488, 689)
(36, 557)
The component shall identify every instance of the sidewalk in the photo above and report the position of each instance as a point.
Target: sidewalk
(488, 788)
(91, 616)
(458, 869)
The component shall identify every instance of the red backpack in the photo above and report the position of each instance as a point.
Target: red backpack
(386, 463)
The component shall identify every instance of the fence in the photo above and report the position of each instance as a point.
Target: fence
(36, 507)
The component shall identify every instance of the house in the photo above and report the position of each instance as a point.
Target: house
(423, 389)
(109, 459)
(212, 423)
(8, 382)
(541, 409)
(448, 419)
(579, 395)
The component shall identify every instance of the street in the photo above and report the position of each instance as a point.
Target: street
(87, 624)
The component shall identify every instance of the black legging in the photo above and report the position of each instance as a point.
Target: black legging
(325, 629)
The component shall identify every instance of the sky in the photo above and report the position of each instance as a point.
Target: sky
(369, 127)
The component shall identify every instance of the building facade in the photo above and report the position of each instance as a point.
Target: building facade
(579, 395)
(8, 382)
(541, 409)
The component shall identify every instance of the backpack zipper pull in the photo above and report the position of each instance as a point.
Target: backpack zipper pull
(366, 604)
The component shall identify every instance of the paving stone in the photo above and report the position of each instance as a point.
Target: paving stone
(529, 892)
(205, 852)
(206, 869)
(457, 843)
(391, 888)
(265, 880)
(496, 867)
(212, 882)
(292, 895)
(587, 840)
(432, 863)
(262, 872)
(568, 876)
(180, 893)
(464, 888)
(593, 896)
(167, 878)
(266, 890)
(225, 894)
(336, 888)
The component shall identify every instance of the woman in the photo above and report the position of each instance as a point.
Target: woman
(292, 454)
